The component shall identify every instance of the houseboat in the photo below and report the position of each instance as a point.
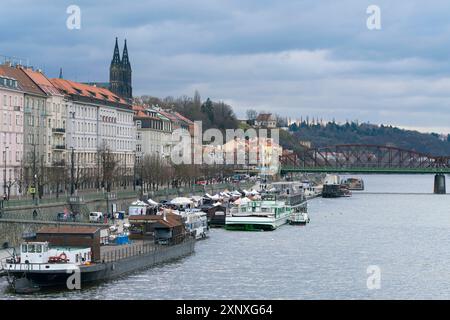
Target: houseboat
(196, 222)
(215, 213)
(332, 187)
(258, 215)
(354, 183)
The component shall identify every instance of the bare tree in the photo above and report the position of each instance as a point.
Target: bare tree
(251, 114)
(58, 175)
(109, 165)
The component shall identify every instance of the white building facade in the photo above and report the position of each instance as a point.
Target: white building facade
(97, 121)
(154, 133)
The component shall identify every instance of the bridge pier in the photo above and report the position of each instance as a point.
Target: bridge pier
(439, 184)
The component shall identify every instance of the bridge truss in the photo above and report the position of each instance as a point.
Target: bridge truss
(356, 158)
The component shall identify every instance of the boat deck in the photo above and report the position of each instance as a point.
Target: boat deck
(111, 253)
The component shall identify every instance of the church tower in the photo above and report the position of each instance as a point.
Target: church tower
(120, 73)
(126, 69)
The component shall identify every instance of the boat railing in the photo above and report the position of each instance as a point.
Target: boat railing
(24, 266)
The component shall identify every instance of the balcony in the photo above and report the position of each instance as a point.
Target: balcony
(59, 147)
(58, 163)
(59, 130)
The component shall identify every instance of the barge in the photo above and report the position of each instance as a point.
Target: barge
(58, 254)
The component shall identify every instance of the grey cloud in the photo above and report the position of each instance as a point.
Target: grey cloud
(294, 57)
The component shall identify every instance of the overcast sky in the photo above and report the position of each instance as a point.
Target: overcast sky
(296, 58)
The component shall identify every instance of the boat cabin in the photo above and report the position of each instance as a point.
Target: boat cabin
(216, 214)
(260, 208)
(165, 228)
(72, 237)
(43, 253)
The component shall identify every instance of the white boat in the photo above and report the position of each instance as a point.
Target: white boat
(195, 221)
(299, 218)
(313, 191)
(258, 215)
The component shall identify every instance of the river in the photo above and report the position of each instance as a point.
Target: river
(405, 236)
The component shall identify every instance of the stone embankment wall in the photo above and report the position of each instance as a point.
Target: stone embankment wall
(49, 211)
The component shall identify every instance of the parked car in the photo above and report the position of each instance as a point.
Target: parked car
(95, 216)
(61, 216)
(201, 182)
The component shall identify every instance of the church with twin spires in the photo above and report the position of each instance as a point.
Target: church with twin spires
(120, 73)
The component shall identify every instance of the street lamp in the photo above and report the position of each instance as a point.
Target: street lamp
(4, 175)
(72, 173)
(125, 174)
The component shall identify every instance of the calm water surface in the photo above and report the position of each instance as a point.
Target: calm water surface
(406, 235)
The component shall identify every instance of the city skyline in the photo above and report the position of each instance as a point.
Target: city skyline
(250, 55)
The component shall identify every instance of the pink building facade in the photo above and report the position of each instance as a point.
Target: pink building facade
(11, 135)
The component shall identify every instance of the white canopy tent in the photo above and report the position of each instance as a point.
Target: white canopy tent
(152, 203)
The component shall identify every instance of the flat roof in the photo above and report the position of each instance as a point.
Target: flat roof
(69, 230)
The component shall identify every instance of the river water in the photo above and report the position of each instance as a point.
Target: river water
(405, 236)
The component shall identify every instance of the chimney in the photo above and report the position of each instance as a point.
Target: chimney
(164, 216)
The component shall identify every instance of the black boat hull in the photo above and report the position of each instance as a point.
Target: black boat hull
(106, 270)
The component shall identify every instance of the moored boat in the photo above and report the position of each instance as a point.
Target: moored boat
(299, 218)
(59, 255)
(352, 183)
(258, 215)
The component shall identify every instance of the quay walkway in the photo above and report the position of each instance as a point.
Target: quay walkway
(397, 193)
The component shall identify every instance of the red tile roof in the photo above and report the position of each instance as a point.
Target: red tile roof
(25, 82)
(42, 81)
(168, 115)
(81, 89)
(139, 112)
(189, 122)
(264, 117)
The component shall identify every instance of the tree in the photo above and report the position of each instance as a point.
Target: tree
(109, 164)
(251, 114)
(207, 109)
(197, 99)
(58, 176)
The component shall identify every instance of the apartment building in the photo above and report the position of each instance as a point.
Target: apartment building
(35, 154)
(98, 121)
(153, 132)
(56, 116)
(11, 137)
